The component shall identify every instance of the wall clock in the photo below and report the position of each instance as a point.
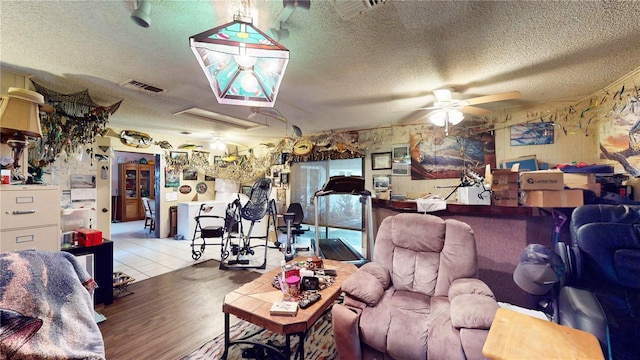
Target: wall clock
(302, 147)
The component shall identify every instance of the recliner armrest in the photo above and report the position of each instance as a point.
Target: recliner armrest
(368, 283)
(472, 304)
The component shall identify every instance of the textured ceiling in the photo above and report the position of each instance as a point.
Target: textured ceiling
(369, 70)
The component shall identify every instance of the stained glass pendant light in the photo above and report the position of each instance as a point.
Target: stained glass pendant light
(243, 65)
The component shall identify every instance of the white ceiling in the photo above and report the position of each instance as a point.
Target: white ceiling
(358, 73)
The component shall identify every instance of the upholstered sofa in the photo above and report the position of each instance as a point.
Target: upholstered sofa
(419, 297)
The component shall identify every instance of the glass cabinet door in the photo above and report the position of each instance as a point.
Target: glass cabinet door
(131, 181)
(146, 182)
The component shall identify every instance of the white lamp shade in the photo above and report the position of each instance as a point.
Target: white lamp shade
(438, 118)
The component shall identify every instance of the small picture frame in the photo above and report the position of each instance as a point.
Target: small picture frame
(284, 178)
(190, 174)
(281, 195)
(275, 173)
(179, 158)
(217, 160)
(381, 182)
(171, 177)
(381, 161)
(209, 178)
(400, 152)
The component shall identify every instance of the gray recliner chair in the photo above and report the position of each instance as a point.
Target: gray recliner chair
(419, 299)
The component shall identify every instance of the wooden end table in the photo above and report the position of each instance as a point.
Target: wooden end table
(514, 335)
(252, 302)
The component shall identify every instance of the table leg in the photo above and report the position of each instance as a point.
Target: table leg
(226, 336)
(287, 346)
(301, 336)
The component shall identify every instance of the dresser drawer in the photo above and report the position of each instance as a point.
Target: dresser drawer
(29, 208)
(40, 238)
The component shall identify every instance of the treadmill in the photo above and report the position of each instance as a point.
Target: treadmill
(337, 249)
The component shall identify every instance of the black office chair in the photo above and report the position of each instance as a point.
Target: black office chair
(293, 219)
(597, 287)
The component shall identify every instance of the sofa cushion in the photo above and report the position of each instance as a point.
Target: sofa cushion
(363, 286)
(398, 325)
(473, 311)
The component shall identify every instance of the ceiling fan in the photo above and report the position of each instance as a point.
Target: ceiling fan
(450, 111)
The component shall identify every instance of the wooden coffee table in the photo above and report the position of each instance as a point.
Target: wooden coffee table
(252, 302)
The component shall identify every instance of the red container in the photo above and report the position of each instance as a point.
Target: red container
(89, 237)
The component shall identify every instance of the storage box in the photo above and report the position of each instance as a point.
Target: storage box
(525, 163)
(89, 237)
(504, 198)
(474, 195)
(504, 180)
(579, 178)
(71, 219)
(542, 180)
(595, 187)
(552, 198)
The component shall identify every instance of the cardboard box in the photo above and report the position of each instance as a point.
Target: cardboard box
(552, 198)
(504, 180)
(579, 178)
(525, 163)
(89, 237)
(504, 198)
(542, 180)
(474, 195)
(595, 187)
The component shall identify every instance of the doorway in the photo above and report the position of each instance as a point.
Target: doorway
(135, 176)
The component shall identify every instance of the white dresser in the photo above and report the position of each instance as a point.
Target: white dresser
(29, 217)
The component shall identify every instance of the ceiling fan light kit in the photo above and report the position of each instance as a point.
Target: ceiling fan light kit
(243, 65)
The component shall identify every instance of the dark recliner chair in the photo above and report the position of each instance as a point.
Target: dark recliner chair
(601, 289)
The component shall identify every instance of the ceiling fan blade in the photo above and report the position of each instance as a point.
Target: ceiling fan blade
(491, 98)
(474, 110)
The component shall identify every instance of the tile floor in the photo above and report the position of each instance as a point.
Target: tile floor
(138, 254)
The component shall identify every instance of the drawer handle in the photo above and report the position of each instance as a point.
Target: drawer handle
(23, 212)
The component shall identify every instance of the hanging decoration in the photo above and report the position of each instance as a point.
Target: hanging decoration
(76, 122)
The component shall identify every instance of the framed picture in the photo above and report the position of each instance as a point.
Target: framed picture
(190, 174)
(284, 178)
(532, 134)
(209, 178)
(171, 177)
(400, 152)
(381, 182)
(179, 158)
(275, 173)
(217, 160)
(281, 195)
(246, 189)
(381, 161)
(200, 157)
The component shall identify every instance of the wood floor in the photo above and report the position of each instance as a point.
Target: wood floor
(171, 315)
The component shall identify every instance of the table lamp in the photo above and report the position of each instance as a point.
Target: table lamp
(20, 119)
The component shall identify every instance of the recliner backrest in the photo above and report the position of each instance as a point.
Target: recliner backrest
(425, 253)
(607, 238)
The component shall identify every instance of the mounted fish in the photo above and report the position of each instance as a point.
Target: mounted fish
(189, 146)
(135, 139)
(164, 144)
